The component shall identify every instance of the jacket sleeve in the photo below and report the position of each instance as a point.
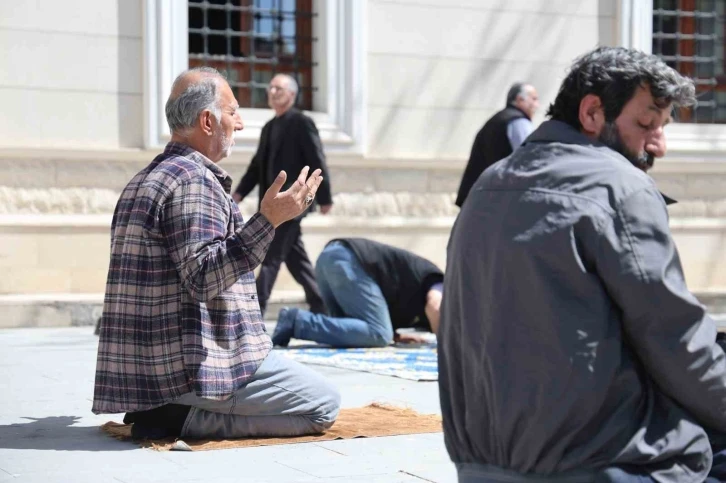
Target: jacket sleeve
(250, 179)
(312, 150)
(667, 327)
(194, 223)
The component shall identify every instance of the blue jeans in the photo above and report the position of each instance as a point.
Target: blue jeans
(358, 312)
(283, 398)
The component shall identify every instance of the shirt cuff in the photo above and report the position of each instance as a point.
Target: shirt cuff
(261, 227)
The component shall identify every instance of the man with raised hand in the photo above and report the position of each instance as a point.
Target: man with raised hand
(183, 350)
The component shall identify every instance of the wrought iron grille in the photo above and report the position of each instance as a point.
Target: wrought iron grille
(252, 40)
(689, 36)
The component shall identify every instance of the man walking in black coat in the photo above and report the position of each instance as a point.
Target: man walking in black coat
(501, 135)
(288, 142)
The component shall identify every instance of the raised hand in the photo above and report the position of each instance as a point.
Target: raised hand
(279, 207)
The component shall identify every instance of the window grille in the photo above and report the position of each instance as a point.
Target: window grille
(252, 40)
(689, 36)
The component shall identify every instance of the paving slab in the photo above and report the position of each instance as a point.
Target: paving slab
(48, 433)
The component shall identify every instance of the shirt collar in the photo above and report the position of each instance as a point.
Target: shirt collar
(181, 149)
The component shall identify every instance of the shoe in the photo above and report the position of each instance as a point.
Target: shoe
(139, 432)
(285, 327)
(165, 421)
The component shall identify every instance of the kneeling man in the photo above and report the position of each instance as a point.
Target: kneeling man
(370, 289)
(183, 349)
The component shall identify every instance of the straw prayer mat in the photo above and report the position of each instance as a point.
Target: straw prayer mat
(367, 422)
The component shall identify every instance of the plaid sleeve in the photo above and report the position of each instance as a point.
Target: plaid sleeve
(194, 224)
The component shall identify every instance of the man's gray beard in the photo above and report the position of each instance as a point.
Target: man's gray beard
(226, 145)
(610, 137)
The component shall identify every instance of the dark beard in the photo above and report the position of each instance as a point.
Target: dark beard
(610, 137)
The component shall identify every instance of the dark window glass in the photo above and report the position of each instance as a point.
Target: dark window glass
(689, 36)
(252, 40)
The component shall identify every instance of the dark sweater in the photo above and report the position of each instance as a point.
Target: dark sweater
(404, 279)
(490, 145)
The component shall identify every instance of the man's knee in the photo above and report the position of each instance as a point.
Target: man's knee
(381, 336)
(328, 408)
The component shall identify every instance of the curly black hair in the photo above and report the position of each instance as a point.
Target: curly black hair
(613, 74)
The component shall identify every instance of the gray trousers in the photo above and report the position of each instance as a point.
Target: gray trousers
(283, 398)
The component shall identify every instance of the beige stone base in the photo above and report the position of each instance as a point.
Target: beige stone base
(70, 253)
(54, 266)
(42, 254)
(702, 246)
(83, 310)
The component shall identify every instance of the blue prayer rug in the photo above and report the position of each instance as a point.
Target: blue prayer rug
(416, 363)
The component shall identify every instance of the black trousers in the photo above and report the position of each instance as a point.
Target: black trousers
(287, 246)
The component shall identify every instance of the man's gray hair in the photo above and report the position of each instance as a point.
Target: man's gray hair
(183, 110)
(291, 83)
(517, 89)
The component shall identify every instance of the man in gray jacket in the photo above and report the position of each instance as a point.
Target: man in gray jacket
(570, 349)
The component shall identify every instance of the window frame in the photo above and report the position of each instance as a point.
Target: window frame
(636, 31)
(340, 27)
(301, 59)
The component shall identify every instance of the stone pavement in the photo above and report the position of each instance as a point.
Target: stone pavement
(48, 433)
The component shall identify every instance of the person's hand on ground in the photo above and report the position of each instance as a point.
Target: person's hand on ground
(410, 338)
(279, 207)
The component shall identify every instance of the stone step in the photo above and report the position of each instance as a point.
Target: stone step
(279, 300)
(76, 310)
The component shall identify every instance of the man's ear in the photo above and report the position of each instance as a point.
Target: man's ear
(205, 122)
(591, 115)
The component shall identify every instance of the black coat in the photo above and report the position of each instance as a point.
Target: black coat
(298, 145)
(403, 277)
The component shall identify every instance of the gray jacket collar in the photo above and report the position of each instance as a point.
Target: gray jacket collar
(561, 132)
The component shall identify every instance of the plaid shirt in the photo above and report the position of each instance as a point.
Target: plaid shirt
(180, 312)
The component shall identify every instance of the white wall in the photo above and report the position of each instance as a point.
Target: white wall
(438, 69)
(72, 121)
(70, 73)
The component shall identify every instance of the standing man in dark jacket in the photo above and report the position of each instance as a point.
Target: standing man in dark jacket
(371, 289)
(570, 348)
(288, 142)
(501, 135)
